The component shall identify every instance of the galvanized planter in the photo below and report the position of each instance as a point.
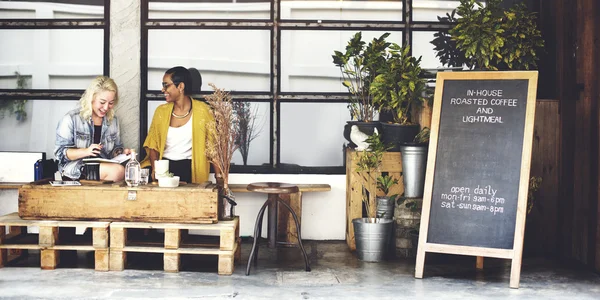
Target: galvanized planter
(414, 162)
(372, 239)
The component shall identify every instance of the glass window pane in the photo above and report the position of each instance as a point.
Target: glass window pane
(258, 150)
(51, 59)
(429, 10)
(422, 47)
(306, 63)
(216, 9)
(52, 9)
(37, 132)
(378, 10)
(239, 61)
(312, 133)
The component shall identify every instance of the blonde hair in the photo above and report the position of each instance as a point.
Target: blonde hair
(99, 84)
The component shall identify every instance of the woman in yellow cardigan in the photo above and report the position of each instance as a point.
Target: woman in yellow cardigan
(178, 130)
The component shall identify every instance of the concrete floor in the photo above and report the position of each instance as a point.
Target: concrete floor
(336, 274)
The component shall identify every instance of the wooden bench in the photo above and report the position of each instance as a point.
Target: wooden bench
(286, 227)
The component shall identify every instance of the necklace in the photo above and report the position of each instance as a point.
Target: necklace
(181, 117)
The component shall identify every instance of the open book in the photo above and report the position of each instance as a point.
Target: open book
(117, 159)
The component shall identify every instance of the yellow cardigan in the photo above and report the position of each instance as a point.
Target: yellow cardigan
(157, 137)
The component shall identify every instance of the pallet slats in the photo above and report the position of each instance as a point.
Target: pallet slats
(48, 241)
(227, 248)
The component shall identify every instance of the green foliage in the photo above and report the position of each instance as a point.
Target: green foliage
(385, 182)
(400, 86)
(367, 167)
(490, 38)
(423, 136)
(446, 50)
(359, 65)
(16, 107)
(534, 185)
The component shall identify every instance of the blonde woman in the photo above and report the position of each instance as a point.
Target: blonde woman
(91, 130)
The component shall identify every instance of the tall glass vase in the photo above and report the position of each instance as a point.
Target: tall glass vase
(226, 204)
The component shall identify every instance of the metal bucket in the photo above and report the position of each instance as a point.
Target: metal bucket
(372, 238)
(385, 208)
(414, 161)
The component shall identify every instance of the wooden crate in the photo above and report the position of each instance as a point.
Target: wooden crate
(226, 247)
(17, 241)
(392, 164)
(189, 203)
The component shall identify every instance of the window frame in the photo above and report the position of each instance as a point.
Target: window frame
(275, 96)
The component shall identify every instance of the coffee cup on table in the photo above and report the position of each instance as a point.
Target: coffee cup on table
(161, 167)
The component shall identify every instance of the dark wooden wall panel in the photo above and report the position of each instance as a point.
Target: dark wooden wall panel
(541, 228)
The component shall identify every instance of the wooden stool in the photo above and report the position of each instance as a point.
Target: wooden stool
(273, 189)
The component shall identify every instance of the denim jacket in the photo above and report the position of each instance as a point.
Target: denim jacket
(74, 132)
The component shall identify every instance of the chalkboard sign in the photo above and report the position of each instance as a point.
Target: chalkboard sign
(478, 165)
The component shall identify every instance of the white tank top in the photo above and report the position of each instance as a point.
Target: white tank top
(179, 142)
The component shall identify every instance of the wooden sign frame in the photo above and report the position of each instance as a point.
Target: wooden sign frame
(514, 254)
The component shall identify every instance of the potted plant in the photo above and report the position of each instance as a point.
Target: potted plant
(359, 65)
(489, 37)
(400, 89)
(368, 231)
(222, 134)
(414, 162)
(386, 203)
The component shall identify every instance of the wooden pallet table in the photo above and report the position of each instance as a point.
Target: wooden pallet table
(226, 246)
(53, 237)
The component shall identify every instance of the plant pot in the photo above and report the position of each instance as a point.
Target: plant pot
(396, 134)
(365, 127)
(414, 161)
(385, 207)
(372, 239)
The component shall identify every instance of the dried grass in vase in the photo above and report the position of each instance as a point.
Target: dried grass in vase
(222, 134)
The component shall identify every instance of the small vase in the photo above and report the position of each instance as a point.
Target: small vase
(226, 204)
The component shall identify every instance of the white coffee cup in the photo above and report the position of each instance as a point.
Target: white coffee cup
(161, 167)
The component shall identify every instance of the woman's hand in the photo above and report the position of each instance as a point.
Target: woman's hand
(126, 151)
(94, 150)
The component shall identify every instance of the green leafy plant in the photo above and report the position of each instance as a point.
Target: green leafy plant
(359, 65)
(534, 185)
(16, 107)
(384, 184)
(487, 37)
(367, 168)
(400, 87)
(423, 136)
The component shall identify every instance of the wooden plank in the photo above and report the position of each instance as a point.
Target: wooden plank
(20, 246)
(199, 250)
(100, 238)
(11, 185)
(217, 226)
(188, 203)
(13, 219)
(49, 259)
(48, 236)
(3, 257)
(541, 239)
(242, 188)
(101, 259)
(226, 264)
(172, 239)
(118, 237)
(117, 259)
(171, 262)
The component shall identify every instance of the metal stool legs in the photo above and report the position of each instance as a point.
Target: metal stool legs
(272, 204)
(257, 229)
(306, 262)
